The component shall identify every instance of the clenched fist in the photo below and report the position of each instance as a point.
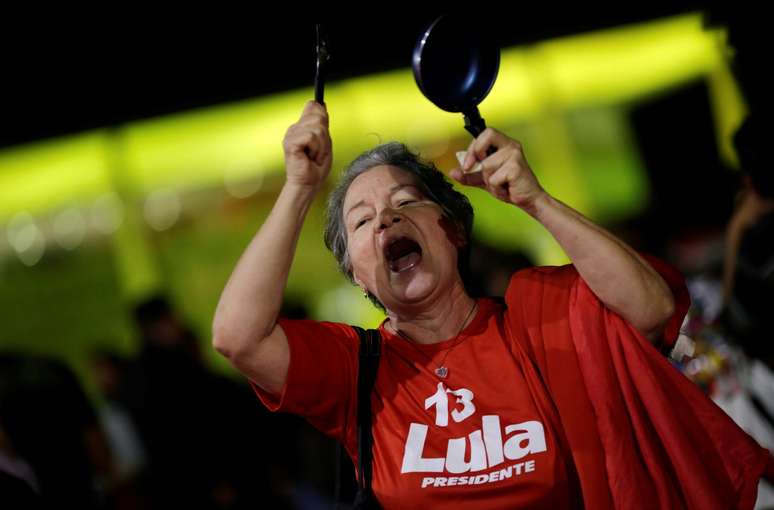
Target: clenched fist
(308, 148)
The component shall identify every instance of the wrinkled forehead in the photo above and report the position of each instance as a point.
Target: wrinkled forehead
(379, 180)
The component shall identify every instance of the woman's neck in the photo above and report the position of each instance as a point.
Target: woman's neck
(443, 319)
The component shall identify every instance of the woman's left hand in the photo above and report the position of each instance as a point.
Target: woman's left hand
(505, 174)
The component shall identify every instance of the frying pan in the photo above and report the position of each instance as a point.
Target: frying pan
(455, 66)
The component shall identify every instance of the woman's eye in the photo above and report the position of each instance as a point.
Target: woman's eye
(405, 202)
(360, 223)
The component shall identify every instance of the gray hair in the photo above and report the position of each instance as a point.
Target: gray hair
(430, 181)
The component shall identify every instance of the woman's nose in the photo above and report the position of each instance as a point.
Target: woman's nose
(388, 217)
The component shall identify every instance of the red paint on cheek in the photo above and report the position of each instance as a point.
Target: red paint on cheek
(453, 231)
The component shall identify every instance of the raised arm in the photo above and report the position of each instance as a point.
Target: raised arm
(618, 276)
(245, 326)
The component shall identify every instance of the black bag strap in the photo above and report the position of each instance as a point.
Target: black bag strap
(368, 364)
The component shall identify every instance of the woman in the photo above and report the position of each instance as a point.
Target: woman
(545, 402)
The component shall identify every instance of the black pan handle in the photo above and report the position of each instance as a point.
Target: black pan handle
(475, 125)
(322, 60)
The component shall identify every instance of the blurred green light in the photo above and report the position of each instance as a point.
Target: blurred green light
(537, 84)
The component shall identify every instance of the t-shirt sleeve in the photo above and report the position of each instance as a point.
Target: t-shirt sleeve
(321, 383)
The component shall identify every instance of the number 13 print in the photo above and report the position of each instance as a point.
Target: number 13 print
(440, 400)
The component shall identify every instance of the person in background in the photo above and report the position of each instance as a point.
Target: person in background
(748, 272)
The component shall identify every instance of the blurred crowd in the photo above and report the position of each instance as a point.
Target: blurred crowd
(165, 432)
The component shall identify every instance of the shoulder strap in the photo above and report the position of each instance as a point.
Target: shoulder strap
(370, 349)
(368, 364)
(370, 341)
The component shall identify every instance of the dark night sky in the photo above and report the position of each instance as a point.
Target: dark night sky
(67, 77)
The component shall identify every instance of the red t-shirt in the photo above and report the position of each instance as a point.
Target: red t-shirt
(551, 393)
(486, 436)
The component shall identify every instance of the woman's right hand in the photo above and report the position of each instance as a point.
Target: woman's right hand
(308, 147)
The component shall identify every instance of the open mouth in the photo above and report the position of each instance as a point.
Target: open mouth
(402, 254)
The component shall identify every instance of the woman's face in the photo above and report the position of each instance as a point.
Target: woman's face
(401, 247)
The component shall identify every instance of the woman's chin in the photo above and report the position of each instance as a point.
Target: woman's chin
(416, 290)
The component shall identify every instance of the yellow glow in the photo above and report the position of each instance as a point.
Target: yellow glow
(728, 107)
(47, 174)
(626, 63)
(193, 150)
(197, 149)
(518, 92)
